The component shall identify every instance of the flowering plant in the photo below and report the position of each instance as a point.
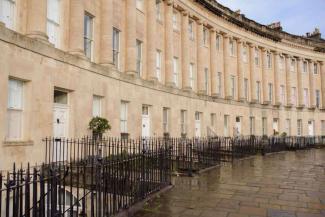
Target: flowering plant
(99, 125)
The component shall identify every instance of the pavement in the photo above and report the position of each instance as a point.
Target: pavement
(286, 184)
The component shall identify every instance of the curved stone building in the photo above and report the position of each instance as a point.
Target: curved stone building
(152, 67)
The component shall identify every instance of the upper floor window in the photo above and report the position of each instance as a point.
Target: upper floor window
(270, 92)
(269, 60)
(124, 117)
(97, 104)
(292, 65)
(175, 20)
(282, 94)
(245, 54)
(232, 47)
(219, 82)
(205, 36)
(7, 13)
(218, 42)
(206, 80)
(116, 47)
(53, 21)
(191, 75)
(317, 93)
(246, 88)
(232, 80)
(175, 71)
(293, 96)
(281, 64)
(315, 68)
(257, 56)
(158, 65)
(88, 35)
(158, 10)
(304, 68)
(139, 57)
(305, 96)
(15, 109)
(140, 4)
(191, 29)
(258, 91)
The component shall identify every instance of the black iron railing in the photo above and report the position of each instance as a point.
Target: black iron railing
(101, 177)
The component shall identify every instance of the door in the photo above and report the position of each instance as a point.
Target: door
(238, 126)
(310, 128)
(60, 121)
(145, 122)
(197, 125)
(275, 126)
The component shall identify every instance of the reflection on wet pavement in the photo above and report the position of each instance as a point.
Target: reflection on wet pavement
(288, 184)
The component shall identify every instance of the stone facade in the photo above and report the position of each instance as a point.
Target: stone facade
(230, 59)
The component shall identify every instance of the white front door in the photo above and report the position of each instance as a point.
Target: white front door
(60, 121)
(197, 128)
(145, 126)
(310, 128)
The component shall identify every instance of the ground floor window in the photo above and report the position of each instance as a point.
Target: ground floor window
(124, 117)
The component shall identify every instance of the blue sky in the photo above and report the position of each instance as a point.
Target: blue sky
(296, 16)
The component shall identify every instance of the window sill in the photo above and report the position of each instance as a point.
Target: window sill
(9, 143)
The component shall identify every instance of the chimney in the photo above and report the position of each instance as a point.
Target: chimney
(276, 26)
(315, 34)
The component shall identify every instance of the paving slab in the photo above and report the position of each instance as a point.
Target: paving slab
(286, 184)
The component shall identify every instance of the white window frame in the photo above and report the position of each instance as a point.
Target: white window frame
(258, 91)
(233, 85)
(305, 67)
(317, 98)
(206, 80)
(88, 35)
(140, 5)
(293, 96)
(306, 97)
(158, 64)
(270, 92)
(139, 57)
(191, 29)
(269, 60)
(175, 20)
(282, 93)
(299, 127)
(191, 75)
(205, 36)
(124, 117)
(11, 18)
(116, 47)
(175, 71)
(15, 108)
(53, 21)
(246, 88)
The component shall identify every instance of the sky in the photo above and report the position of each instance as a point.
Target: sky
(296, 16)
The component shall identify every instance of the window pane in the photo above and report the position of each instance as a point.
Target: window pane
(14, 121)
(96, 106)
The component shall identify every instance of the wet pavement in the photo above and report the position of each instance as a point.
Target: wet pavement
(287, 184)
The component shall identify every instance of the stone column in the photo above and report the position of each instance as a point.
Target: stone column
(213, 63)
(76, 29)
(311, 88)
(288, 79)
(151, 41)
(37, 19)
(299, 82)
(252, 79)
(131, 17)
(106, 39)
(185, 52)
(200, 59)
(169, 45)
(322, 90)
(276, 78)
(240, 73)
(264, 84)
(226, 61)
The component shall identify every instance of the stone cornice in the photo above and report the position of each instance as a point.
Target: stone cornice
(241, 21)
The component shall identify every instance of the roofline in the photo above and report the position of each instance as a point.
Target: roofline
(262, 30)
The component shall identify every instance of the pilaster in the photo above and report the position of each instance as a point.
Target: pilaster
(106, 39)
(185, 53)
(240, 73)
(151, 41)
(252, 79)
(169, 44)
(37, 19)
(130, 65)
